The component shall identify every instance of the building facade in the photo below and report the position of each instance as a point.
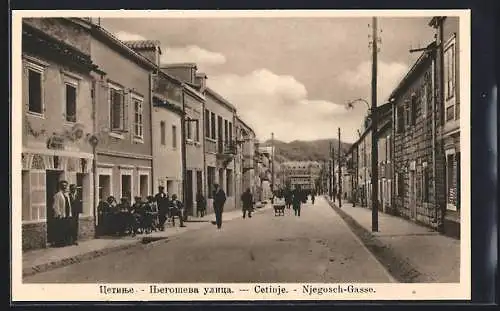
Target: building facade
(245, 137)
(57, 122)
(123, 107)
(448, 102)
(303, 174)
(220, 148)
(418, 192)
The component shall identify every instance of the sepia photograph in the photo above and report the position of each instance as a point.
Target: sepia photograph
(241, 155)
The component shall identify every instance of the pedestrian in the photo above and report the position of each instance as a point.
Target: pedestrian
(247, 203)
(298, 199)
(163, 204)
(177, 209)
(312, 197)
(201, 204)
(218, 203)
(288, 198)
(61, 214)
(76, 210)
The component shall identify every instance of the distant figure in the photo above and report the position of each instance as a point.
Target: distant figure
(297, 200)
(76, 209)
(288, 198)
(247, 202)
(219, 201)
(312, 197)
(177, 209)
(163, 204)
(201, 204)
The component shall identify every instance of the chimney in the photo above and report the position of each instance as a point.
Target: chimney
(201, 80)
(147, 48)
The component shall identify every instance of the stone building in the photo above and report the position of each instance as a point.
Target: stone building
(448, 102)
(57, 122)
(417, 156)
(301, 173)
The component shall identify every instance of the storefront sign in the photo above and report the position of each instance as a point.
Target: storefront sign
(55, 142)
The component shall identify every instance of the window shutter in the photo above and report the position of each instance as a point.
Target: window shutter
(125, 110)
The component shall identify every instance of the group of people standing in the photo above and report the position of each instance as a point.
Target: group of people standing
(63, 219)
(295, 198)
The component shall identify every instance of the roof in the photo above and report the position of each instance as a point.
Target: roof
(176, 65)
(143, 44)
(244, 124)
(104, 34)
(220, 98)
(414, 68)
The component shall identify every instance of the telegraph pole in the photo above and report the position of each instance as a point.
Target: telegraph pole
(272, 163)
(374, 179)
(330, 186)
(333, 172)
(340, 174)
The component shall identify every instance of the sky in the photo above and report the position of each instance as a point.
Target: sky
(288, 76)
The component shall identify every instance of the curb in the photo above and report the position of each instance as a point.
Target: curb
(399, 268)
(59, 263)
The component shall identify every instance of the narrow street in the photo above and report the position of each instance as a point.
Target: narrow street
(316, 247)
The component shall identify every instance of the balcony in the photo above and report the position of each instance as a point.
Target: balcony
(210, 145)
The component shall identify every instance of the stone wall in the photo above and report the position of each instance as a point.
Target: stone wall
(34, 235)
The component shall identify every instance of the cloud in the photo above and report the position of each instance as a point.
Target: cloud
(192, 54)
(127, 36)
(186, 54)
(388, 77)
(279, 103)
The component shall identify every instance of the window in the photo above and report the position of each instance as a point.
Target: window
(174, 136)
(189, 134)
(162, 133)
(413, 109)
(212, 125)
(104, 186)
(220, 139)
(425, 184)
(35, 104)
(401, 184)
(400, 119)
(450, 79)
(229, 183)
(449, 66)
(117, 109)
(210, 180)
(126, 186)
(197, 131)
(230, 132)
(207, 123)
(138, 120)
(70, 102)
(36, 196)
(407, 114)
(143, 185)
(226, 131)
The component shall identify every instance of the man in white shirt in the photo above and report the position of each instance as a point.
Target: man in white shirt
(61, 210)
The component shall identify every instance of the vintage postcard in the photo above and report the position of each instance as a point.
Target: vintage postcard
(240, 155)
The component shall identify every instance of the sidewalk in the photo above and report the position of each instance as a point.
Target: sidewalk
(424, 254)
(41, 260)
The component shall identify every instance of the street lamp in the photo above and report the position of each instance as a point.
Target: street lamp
(94, 141)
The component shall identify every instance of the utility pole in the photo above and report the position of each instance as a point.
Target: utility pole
(330, 186)
(333, 173)
(374, 179)
(340, 174)
(272, 163)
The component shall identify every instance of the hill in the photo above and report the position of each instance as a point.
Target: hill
(298, 150)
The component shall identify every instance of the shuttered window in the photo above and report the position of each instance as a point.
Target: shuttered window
(37, 196)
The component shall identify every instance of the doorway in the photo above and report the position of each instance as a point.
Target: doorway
(126, 187)
(189, 192)
(413, 205)
(52, 179)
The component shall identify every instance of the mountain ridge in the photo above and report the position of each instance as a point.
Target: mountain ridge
(305, 150)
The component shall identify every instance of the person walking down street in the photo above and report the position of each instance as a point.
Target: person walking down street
(76, 210)
(219, 201)
(312, 197)
(247, 202)
(288, 198)
(177, 209)
(298, 199)
(201, 204)
(163, 204)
